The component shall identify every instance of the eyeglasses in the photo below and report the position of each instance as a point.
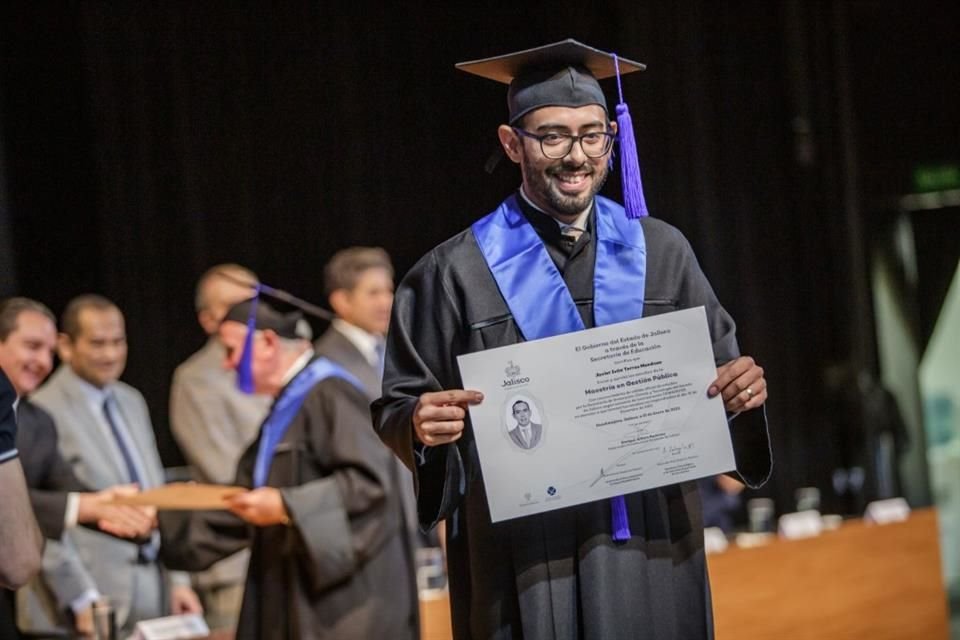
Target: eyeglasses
(595, 144)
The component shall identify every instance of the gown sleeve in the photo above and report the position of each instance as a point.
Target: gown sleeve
(195, 540)
(426, 332)
(342, 519)
(48, 492)
(748, 430)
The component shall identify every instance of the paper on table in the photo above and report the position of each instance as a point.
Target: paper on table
(182, 496)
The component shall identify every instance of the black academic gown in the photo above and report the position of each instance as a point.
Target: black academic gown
(341, 570)
(556, 575)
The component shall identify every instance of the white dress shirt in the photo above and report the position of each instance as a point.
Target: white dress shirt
(366, 343)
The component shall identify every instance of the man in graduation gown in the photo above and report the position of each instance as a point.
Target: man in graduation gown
(323, 520)
(548, 261)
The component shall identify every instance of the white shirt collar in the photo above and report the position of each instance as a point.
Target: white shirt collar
(366, 343)
(297, 366)
(580, 223)
(94, 395)
(119, 429)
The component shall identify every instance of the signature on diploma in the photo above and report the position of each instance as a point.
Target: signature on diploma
(677, 449)
(606, 472)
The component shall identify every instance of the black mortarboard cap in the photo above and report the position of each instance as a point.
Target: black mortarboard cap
(566, 74)
(562, 74)
(259, 315)
(286, 325)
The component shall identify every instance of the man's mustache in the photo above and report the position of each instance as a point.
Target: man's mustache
(568, 166)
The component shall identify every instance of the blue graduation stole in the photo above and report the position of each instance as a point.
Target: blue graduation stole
(537, 296)
(287, 406)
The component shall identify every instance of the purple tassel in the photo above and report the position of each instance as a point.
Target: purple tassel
(620, 522)
(633, 200)
(244, 366)
(635, 207)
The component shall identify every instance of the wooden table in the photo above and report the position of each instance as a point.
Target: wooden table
(435, 618)
(859, 582)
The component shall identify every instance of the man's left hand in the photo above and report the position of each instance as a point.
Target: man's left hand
(261, 507)
(741, 383)
(183, 599)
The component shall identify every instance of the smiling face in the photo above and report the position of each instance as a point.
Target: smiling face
(561, 187)
(26, 356)
(98, 354)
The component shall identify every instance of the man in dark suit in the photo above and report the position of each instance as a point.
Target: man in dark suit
(59, 500)
(20, 540)
(359, 285)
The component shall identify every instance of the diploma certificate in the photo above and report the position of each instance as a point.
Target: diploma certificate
(182, 496)
(598, 413)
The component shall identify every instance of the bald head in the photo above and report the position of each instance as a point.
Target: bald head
(219, 289)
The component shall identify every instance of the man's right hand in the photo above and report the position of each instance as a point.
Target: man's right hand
(438, 416)
(120, 520)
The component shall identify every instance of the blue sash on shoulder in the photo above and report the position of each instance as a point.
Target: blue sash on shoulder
(538, 297)
(287, 406)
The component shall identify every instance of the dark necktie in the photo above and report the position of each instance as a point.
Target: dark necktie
(379, 348)
(147, 552)
(121, 443)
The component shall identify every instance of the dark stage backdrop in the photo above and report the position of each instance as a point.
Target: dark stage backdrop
(146, 141)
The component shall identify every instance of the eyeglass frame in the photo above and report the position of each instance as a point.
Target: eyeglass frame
(608, 135)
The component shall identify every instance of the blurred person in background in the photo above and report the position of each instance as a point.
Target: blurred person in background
(213, 423)
(20, 539)
(106, 434)
(329, 558)
(59, 500)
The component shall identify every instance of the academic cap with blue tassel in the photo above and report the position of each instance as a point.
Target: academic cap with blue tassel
(259, 315)
(566, 74)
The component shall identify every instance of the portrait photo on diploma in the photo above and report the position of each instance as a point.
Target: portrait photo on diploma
(524, 421)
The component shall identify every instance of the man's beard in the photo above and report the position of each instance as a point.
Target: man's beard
(546, 190)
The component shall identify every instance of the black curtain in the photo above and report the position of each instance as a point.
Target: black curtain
(147, 141)
(8, 273)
